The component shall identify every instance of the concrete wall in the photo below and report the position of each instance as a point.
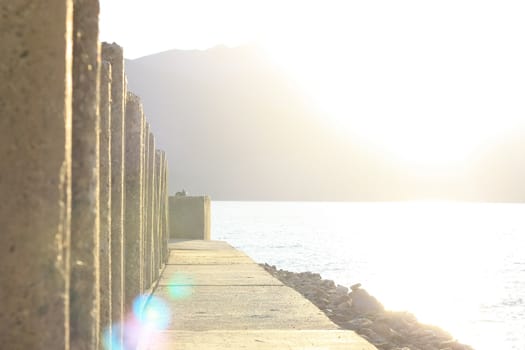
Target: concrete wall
(77, 170)
(189, 217)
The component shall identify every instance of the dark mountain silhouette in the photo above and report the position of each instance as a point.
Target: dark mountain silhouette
(235, 127)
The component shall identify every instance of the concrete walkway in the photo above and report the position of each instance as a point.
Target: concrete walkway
(219, 298)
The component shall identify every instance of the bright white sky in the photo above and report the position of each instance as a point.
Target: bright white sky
(430, 81)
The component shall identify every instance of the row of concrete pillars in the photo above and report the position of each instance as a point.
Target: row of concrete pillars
(83, 215)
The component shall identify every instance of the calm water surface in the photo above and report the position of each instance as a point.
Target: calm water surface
(458, 265)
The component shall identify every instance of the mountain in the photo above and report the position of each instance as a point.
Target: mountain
(236, 127)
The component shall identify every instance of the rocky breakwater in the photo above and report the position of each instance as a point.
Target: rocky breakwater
(359, 311)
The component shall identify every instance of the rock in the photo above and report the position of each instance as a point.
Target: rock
(328, 284)
(341, 289)
(344, 307)
(364, 303)
(364, 314)
(355, 286)
(373, 337)
(358, 323)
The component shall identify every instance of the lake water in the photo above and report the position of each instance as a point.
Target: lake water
(460, 266)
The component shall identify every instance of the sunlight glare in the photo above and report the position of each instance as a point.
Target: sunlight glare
(393, 76)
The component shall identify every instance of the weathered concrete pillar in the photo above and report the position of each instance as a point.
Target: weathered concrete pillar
(105, 198)
(143, 201)
(165, 223)
(114, 54)
(161, 207)
(156, 219)
(150, 205)
(147, 190)
(35, 179)
(84, 290)
(134, 208)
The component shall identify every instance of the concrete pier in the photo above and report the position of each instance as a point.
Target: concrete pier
(78, 170)
(35, 150)
(133, 208)
(105, 197)
(84, 289)
(114, 55)
(221, 299)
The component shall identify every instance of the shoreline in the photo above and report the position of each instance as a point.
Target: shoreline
(357, 310)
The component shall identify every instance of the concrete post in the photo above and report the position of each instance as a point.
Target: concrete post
(105, 198)
(146, 267)
(114, 54)
(35, 149)
(162, 206)
(134, 210)
(84, 290)
(156, 218)
(165, 225)
(143, 200)
(151, 201)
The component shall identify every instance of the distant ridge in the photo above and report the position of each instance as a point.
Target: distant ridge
(235, 127)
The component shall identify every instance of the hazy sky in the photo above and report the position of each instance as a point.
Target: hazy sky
(430, 81)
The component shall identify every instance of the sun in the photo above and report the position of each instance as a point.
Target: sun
(402, 82)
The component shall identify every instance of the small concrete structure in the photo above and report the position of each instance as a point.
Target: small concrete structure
(189, 217)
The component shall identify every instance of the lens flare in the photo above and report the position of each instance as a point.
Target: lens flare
(111, 337)
(152, 314)
(180, 286)
(149, 314)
